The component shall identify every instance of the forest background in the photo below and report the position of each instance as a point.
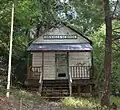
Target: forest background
(33, 17)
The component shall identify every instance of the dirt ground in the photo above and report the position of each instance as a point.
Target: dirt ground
(12, 104)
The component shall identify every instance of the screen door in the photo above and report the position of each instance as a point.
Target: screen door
(61, 66)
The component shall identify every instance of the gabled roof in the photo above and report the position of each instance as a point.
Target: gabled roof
(61, 37)
(78, 32)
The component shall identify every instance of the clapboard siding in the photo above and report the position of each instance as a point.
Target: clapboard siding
(83, 58)
(80, 59)
(49, 63)
(37, 59)
(62, 30)
(75, 59)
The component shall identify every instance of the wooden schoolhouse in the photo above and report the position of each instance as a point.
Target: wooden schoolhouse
(61, 63)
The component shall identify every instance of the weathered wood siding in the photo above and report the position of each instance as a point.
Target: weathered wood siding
(49, 63)
(80, 59)
(75, 59)
(63, 30)
(37, 59)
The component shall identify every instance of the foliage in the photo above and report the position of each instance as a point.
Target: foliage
(89, 103)
(115, 100)
(89, 15)
(28, 96)
(3, 83)
(79, 102)
(99, 46)
(98, 39)
(88, 12)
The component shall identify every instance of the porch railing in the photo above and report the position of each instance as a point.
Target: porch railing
(80, 72)
(34, 72)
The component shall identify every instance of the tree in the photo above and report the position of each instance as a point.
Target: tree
(90, 15)
(98, 38)
(108, 54)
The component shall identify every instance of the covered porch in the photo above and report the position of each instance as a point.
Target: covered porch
(58, 61)
(59, 66)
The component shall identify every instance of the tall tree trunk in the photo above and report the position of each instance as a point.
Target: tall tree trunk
(108, 52)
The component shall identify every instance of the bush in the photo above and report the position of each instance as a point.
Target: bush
(28, 96)
(115, 100)
(79, 102)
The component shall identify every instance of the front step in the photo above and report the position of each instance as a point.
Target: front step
(55, 88)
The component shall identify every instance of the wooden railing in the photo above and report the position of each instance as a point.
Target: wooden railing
(80, 72)
(34, 72)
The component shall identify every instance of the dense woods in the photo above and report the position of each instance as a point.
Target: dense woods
(33, 17)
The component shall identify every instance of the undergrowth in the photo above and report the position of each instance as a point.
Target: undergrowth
(90, 103)
(69, 102)
(28, 97)
(115, 100)
(79, 102)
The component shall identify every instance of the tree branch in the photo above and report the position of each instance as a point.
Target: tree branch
(116, 32)
(118, 46)
(116, 18)
(116, 28)
(116, 37)
(115, 8)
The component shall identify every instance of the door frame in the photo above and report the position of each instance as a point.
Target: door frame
(67, 68)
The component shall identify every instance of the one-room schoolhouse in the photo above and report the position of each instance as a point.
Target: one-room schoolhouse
(61, 63)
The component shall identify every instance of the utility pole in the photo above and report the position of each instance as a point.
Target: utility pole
(10, 53)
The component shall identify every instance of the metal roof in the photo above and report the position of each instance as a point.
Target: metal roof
(60, 47)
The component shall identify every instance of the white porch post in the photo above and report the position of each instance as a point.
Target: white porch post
(41, 75)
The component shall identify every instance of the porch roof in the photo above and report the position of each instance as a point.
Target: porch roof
(60, 47)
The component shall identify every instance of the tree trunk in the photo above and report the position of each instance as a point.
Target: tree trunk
(108, 52)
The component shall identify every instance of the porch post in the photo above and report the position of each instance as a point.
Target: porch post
(42, 64)
(69, 78)
(92, 72)
(29, 64)
(41, 75)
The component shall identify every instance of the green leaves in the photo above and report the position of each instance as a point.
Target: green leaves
(90, 15)
(99, 46)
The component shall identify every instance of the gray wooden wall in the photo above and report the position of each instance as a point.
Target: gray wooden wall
(75, 58)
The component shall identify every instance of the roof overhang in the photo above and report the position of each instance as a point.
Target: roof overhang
(59, 47)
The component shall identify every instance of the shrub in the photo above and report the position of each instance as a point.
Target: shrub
(79, 102)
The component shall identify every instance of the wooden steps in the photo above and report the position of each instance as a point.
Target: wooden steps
(55, 88)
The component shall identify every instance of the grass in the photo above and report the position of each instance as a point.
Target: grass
(79, 102)
(2, 91)
(89, 103)
(28, 97)
(115, 100)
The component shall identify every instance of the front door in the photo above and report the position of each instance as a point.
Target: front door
(61, 65)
